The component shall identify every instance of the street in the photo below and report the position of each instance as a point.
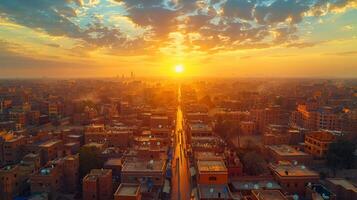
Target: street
(180, 166)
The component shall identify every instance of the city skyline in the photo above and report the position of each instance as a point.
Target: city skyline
(223, 38)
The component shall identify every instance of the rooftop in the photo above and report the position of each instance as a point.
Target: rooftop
(289, 170)
(286, 150)
(126, 189)
(144, 166)
(211, 166)
(255, 185)
(207, 155)
(100, 172)
(95, 173)
(268, 195)
(343, 183)
(200, 127)
(214, 191)
(50, 143)
(114, 162)
(322, 136)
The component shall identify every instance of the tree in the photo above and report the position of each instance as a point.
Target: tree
(254, 164)
(226, 128)
(89, 159)
(340, 155)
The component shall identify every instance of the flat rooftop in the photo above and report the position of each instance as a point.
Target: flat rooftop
(286, 150)
(200, 127)
(256, 185)
(268, 195)
(50, 143)
(160, 117)
(207, 155)
(127, 190)
(289, 170)
(144, 166)
(100, 172)
(343, 183)
(94, 144)
(211, 166)
(214, 191)
(95, 173)
(321, 136)
(114, 162)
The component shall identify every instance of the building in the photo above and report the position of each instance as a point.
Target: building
(315, 118)
(47, 180)
(115, 164)
(293, 178)
(343, 188)
(317, 143)
(318, 191)
(212, 172)
(214, 192)
(127, 191)
(149, 173)
(198, 130)
(267, 195)
(98, 185)
(11, 148)
(60, 175)
(34, 159)
(288, 153)
(71, 173)
(247, 127)
(267, 116)
(113, 137)
(159, 122)
(202, 117)
(51, 150)
(13, 180)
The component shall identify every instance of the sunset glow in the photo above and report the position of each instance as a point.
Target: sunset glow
(179, 69)
(90, 38)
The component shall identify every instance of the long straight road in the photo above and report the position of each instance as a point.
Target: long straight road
(180, 176)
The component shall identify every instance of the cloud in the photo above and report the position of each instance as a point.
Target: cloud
(47, 15)
(242, 9)
(281, 11)
(149, 24)
(344, 53)
(12, 56)
(347, 28)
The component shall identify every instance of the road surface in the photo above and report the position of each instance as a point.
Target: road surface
(181, 189)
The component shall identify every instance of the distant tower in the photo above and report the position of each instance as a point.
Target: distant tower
(132, 75)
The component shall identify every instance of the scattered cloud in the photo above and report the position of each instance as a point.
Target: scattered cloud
(344, 53)
(123, 26)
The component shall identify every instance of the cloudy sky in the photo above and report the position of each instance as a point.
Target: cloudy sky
(248, 38)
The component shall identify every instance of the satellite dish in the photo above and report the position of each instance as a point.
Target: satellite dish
(269, 185)
(296, 197)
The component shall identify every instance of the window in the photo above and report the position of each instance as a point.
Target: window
(212, 178)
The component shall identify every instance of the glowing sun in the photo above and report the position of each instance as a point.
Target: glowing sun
(179, 69)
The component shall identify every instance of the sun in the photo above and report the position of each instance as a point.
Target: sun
(179, 69)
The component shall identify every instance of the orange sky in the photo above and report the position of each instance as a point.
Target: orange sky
(243, 38)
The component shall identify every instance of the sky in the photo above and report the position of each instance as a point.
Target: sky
(225, 38)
